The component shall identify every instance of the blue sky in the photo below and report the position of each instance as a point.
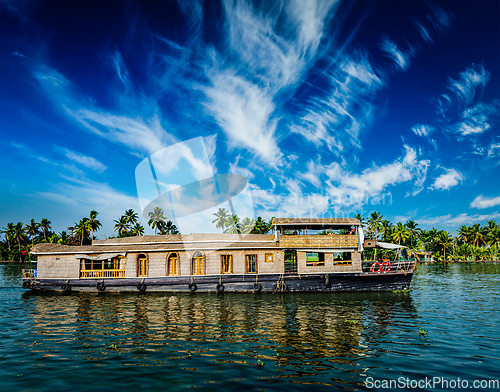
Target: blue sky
(327, 108)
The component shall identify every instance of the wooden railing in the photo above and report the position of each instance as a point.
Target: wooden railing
(29, 273)
(318, 241)
(92, 274)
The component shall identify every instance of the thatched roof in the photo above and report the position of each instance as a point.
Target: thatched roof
(316, 223)
(163, 243)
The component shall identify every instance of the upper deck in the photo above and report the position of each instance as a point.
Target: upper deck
(303, 233)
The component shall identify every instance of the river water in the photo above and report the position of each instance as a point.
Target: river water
(265, 342)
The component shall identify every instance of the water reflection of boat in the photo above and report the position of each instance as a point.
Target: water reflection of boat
(299, 257)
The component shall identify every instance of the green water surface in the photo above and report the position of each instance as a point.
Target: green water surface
(266, 342)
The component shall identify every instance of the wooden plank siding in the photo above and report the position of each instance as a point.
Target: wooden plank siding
(318, 241)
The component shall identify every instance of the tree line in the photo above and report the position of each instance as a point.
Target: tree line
(19, 238)
(470, 243)
(474, 242)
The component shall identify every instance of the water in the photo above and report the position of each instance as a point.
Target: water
(105, 341)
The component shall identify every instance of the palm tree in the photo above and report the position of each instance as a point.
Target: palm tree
(18, 234)
(168, 227)
(247, 225)
(494, 238)
(477, 235)
(361, 219)
(400, 233)
(444, 241)
(375, 223)
(222, 218)
(121, 225)
(32, 229)
(386, 229)
(156, 219)
(63, 238)
(82, 229)
(232, 227)
(413, 230)
(45, 226)
(463, 233)
(54, 239)
(138, 229)
(260, 226)
(132, 217)
(94, 224)
(8, 231)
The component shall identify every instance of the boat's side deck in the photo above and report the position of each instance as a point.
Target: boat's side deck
(232, 283)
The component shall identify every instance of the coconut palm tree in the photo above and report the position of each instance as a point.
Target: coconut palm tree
(8, 231)
(463, 233)
(413, 230)
(63, 238)
(168, 228)
(260, 226)
(375, 223)
(82, 229)
(137, 230)
(493, 238)
(94, 224)
(121, 226)
(131, 217)
(222, 218)
(247, 225)
(477, 235)
(19, 234)
(45, 226)
(232, 227)
(32, 229)
(444, 241)
(400, 233)
(361, 219)
(156, 219)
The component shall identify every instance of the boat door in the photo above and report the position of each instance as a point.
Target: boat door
(290, 261)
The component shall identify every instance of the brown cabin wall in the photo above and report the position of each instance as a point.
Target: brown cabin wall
(60, 266)
(158, 262)
(302, 268)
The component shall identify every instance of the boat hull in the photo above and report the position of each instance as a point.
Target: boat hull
(339, 282)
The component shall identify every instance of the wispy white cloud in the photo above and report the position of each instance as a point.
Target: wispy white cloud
(347, 109)
(267, 51)
(401, 58)
(477, 119)
(482, 202)
(243, 111)
(424, 32)
(450, 178)
(440, 18)
(469, 83)
(82, 159)
(454, 221)
(422, 129)
(135, 124)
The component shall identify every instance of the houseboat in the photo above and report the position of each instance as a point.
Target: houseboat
(313, 255)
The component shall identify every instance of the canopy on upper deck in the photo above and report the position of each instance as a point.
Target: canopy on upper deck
(315, 223)
(102, 256)
(387, 245)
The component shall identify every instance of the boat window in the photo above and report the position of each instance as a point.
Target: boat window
(173, 264)
(142, 265)
(251, 264)
(315, 259)
(107, 268)
(226, 264)
(269, 257)
(342, 258)
(198, 264)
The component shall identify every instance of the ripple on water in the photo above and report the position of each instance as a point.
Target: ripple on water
(53, 342)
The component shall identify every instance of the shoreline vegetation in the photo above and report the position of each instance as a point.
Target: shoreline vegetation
(470, 243)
